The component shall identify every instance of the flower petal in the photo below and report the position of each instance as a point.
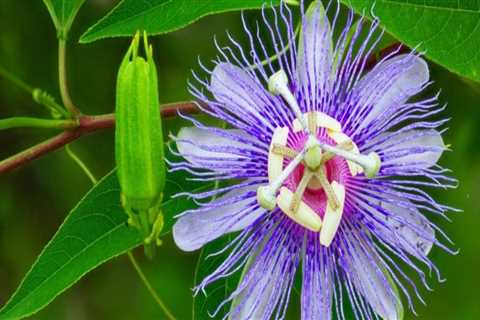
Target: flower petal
(390, 84)
(317, 282)
(413, 230)
(314, 60)
(267, 276)
(240, 93)
(370, 279)
(193, 142)
(422, 148)
(404, 226)
(195, 229)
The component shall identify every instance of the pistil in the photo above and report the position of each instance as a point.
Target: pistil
(278, 85)
(370, 163)
(266, 194)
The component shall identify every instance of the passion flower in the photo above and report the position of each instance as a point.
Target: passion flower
(329, 161)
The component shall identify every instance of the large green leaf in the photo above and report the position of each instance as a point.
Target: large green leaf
(94, 232)
(217, 292)
(63, 13)
(161, 16)
(447, 30)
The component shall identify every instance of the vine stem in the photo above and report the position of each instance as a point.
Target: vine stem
(81, 164)
(85, 125)
(62, 79)
(149, 286)
(28, 122)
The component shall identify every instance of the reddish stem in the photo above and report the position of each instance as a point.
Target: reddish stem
(87, 124)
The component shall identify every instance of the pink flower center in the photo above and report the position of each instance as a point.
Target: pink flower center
(336, 170)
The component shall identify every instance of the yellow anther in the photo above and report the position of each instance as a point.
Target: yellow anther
(284, 151)
(331, 197)
(312, 122)
(297, 196)
(322, 120)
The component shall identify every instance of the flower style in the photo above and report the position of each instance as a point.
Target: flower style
(328, 160)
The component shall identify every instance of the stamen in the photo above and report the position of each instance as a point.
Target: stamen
(343, 140)
(322, 120)
(297, 196)
(331, 197)
(275, 160)
(312, 122)
(266, 194)
(333, 216)
(278, 85)
(304, 216)
(284, 151)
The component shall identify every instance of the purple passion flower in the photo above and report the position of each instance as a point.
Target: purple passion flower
(328, 161)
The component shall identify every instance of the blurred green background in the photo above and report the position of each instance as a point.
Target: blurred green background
(35, 199)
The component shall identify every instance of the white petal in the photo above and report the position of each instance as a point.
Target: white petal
(413, 229)
(256, 298)
(374, 282)
(421, 147)
(317, 282)
(404, 228)
(194, 230)
(192, 142)
(407, 83)
(240, 93)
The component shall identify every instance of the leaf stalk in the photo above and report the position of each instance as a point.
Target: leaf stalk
(149, 286)
(62, 79)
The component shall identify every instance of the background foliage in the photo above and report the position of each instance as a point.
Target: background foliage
(35, 200)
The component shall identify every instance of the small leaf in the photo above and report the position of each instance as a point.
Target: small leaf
(217, 292)
(161, 16)
(94, 232)
(63, 13)
(447, 31)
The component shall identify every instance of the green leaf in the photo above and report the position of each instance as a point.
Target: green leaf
(161, 16)
(63, 13)
(94, 232)
(218, 291)
(448, 30)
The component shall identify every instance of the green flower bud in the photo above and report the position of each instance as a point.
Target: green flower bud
(138, 134)
(139, 143)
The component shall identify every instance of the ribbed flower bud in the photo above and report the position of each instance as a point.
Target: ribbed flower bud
(139, 139)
